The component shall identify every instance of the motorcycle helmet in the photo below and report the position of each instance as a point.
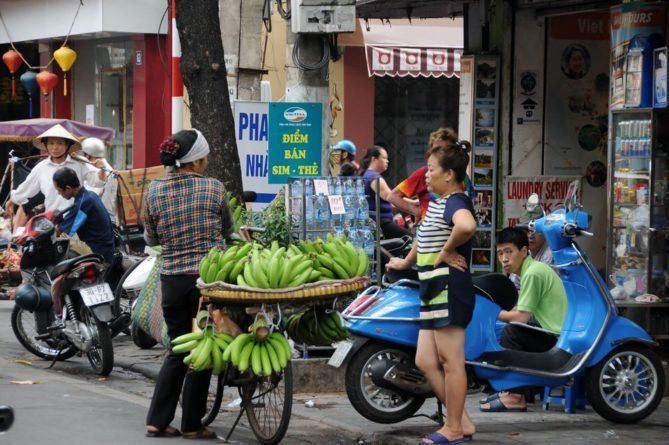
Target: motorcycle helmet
(93, 147)
(344, 145)
(33, 298)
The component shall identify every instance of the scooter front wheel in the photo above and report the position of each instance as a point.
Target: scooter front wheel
(380, 405)
(627, 385)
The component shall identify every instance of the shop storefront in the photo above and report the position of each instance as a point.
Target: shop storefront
(117, 80)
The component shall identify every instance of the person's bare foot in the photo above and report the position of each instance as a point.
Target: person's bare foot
(510, 401)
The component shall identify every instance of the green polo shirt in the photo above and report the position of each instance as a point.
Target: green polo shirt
(542, 294)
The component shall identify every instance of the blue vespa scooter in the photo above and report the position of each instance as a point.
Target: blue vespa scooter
(608, 356)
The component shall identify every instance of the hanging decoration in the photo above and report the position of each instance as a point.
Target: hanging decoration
(65, 58)
(29, 82)
(46, 81)
(13, 61)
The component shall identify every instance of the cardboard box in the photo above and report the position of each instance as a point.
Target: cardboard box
(132, 192)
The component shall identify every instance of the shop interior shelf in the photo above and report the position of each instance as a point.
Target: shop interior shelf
(619, 156)
(632, 175)
(623, 304)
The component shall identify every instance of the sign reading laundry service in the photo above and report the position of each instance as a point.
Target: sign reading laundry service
(294, 140)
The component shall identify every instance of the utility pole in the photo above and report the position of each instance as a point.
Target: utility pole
(241, 22)
(310, 85)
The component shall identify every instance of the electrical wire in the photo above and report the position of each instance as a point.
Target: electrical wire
(311, 67)
(283, 12)
(67, 37)
(267, 15)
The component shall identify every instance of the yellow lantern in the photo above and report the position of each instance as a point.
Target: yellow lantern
(65, 58)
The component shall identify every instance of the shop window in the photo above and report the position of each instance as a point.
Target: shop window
(113, 97)
(406, 111)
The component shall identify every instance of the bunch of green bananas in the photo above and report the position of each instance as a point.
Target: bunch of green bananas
(336, 258)
(206, 347)
(224, 265)
(237, 210)
(316, 327)
(263, 355)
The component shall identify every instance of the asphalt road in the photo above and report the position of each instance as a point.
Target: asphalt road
(67, 404)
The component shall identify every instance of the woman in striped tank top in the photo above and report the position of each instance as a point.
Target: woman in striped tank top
(442, 253)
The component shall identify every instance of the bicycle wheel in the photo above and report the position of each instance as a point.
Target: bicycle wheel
(214, 398)
(270, 405)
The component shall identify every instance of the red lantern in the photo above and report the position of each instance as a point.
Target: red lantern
(13, 61)
(46, 81)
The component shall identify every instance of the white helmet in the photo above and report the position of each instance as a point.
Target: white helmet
(93, 147)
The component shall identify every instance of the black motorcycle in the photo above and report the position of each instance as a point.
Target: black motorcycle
(64, 307)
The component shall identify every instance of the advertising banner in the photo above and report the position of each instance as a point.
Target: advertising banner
(251, 132)
(295, 140)
(576, 121)
(636, 30)
(551, 190)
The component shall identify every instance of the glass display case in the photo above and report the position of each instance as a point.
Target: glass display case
(638, 242)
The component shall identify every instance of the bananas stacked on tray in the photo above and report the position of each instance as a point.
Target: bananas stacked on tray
(206, 349)
(259, 350)
(278, 267)
(316, 327)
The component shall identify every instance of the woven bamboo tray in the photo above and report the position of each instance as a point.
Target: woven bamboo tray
(306, 292)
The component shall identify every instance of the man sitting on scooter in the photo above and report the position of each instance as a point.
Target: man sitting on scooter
(88, 218)
(542, 301)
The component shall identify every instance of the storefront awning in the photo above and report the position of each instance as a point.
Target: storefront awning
(396, 61)
(402, 47)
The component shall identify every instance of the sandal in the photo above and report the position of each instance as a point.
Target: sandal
(497, 406)
(200, 434)
(164, 433)
(440, 439)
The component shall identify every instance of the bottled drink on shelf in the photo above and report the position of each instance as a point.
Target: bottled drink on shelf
(359, 187)
(354, 237)
(348, 186)
(296, 188)
(350, 205)
(369, 244)
(322, 211)
(308, 187)
(363, 209)
(309, 214)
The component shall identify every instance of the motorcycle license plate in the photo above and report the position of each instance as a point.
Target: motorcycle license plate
(340, 354)
(98, 294)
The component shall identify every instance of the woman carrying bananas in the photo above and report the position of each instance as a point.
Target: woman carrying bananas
(187, 214)
(442, 252)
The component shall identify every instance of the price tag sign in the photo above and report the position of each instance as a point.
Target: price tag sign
(336, 205)
(321, 187)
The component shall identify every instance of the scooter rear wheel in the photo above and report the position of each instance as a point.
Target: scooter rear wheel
(101, 353)
(27, 326)
(380, 405)
(627, 385)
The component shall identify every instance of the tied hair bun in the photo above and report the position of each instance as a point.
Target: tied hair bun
(465, 146)
(169, 152)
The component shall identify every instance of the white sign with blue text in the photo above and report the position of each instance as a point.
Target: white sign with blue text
(251, 131)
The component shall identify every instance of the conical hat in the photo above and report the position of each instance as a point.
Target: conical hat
(57, 131)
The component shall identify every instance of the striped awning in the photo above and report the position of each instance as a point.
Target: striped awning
(397, 61)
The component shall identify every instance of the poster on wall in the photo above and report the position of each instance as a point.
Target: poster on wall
(636, 30)
(483, 123)
(660, 78)
(576, 116)
(251, 132)
(551, 190)
(466, 98)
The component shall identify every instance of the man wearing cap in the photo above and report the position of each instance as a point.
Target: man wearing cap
(341, 153)
(58, 142)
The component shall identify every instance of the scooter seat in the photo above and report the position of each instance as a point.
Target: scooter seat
(498, 288)
(68, 265)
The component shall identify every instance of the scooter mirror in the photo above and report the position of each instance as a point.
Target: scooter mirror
(532, 202)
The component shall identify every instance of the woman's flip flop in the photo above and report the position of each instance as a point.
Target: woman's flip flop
(440, 439)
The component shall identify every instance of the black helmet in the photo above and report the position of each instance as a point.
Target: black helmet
(33, 298)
